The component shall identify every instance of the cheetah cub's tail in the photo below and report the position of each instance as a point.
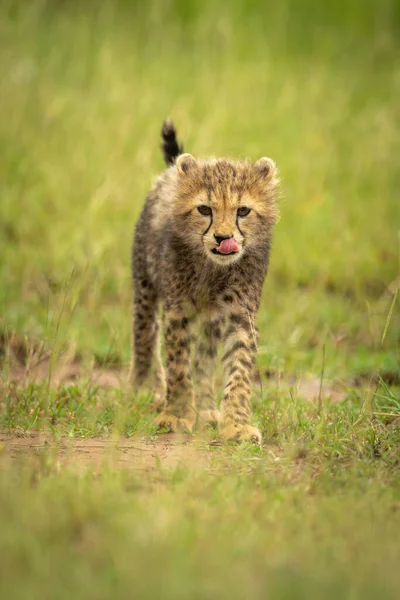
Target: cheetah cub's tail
(170, 146)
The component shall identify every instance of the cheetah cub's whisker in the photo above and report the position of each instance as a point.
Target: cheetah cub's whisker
(201, 247)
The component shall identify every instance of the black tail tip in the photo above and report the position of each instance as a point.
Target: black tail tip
(170, 146)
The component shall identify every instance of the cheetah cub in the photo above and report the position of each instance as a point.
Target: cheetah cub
(201, 247)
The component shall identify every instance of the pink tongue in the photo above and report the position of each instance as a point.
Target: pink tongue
(228, 246)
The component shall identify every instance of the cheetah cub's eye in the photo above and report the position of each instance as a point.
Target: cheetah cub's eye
(204, 210)
(243, 211)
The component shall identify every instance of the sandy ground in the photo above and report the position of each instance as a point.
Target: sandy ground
(138, 454)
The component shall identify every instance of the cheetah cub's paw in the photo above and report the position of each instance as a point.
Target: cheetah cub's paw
(207, 417)
(173, 424)
(240, 433)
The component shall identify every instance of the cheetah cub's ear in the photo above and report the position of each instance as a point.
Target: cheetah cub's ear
(184, 163)
(266, 167)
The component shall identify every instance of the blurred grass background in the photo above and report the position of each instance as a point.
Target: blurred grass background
(84, 89)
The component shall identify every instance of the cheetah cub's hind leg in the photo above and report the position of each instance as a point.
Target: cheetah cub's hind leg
(208, 335)
(146, 361)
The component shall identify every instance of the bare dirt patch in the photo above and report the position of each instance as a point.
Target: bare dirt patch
(311, 388)
(138, 454)
(28, 361)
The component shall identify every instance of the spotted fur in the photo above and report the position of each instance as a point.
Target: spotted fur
(176, 263)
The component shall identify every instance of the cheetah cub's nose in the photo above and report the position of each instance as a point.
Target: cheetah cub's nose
(221, 238)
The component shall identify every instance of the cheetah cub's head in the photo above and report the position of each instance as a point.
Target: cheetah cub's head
(225, 208)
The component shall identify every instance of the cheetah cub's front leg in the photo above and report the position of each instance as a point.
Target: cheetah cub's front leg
(179, 414)
(239, 353)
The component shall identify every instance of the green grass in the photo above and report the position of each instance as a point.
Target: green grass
(84, 89)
